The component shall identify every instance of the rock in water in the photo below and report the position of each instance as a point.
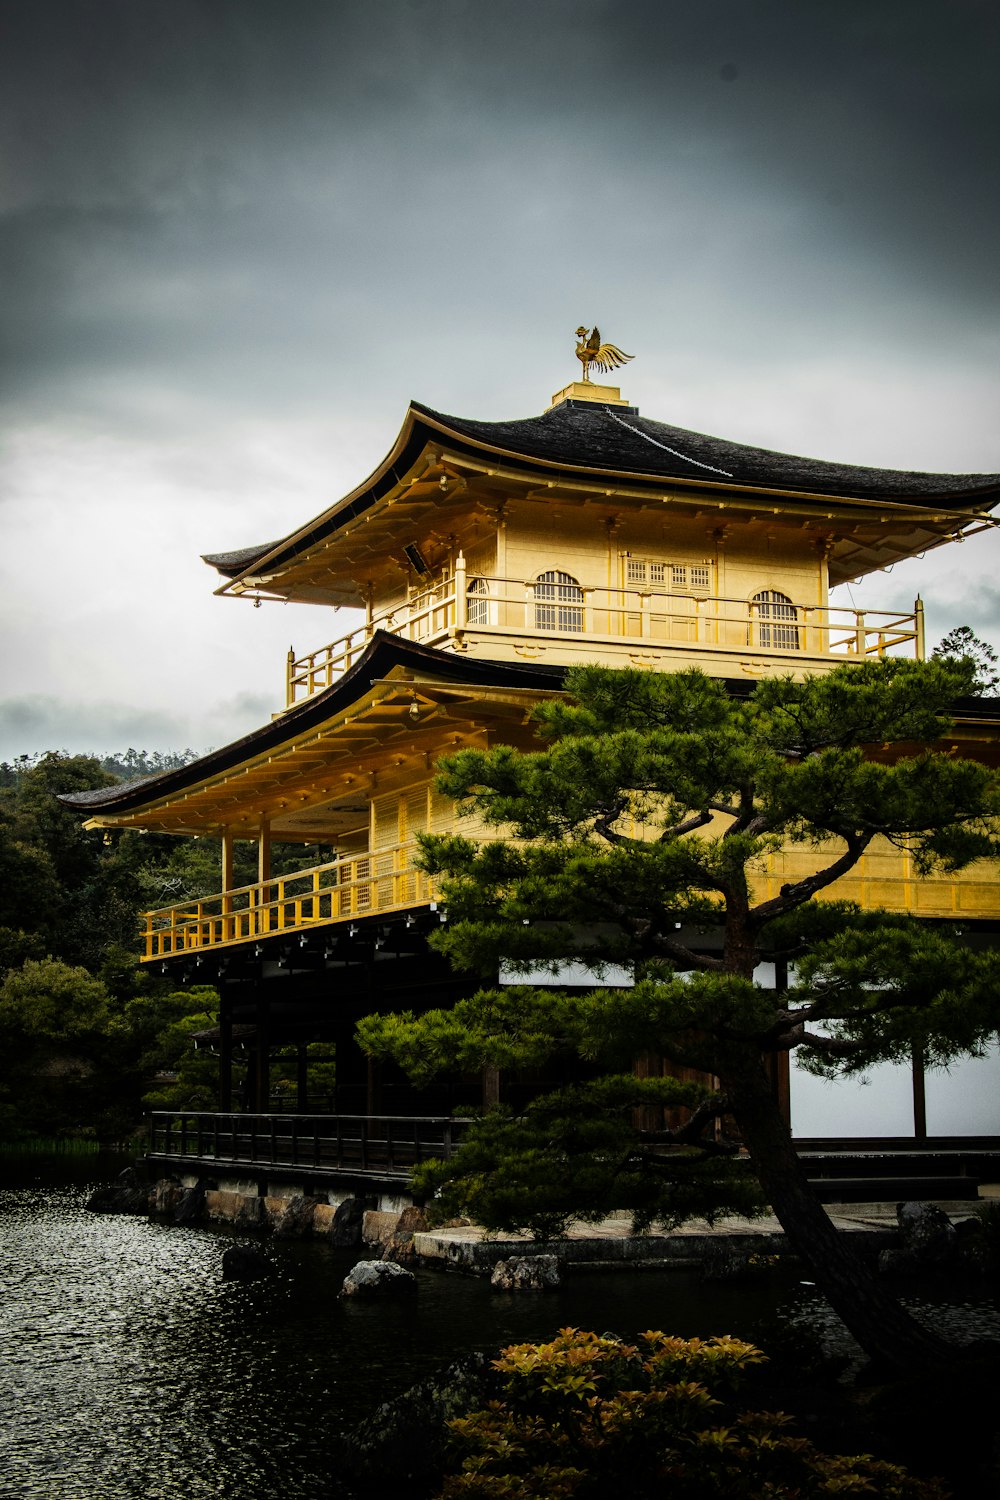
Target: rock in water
(526, 1273)
(190, 1207)
(400, 1247)
(167, 1193)
(378, 1278)
(296, 1218)
(402, 1444)
(240, 1263)
(928, 1240)
(346, 1227)
(127, 1195)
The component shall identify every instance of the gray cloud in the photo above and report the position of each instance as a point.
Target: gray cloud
(237, 236)
(39, 722)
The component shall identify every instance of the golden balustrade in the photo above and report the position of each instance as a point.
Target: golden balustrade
(499, 607)
(356, 885)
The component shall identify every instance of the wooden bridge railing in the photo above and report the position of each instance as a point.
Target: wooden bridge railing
(376, 1145)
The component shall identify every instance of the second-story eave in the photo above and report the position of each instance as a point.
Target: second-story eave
(867, 517)
(400, 702)
(310, 755)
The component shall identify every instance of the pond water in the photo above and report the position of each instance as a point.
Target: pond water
(129, 1368)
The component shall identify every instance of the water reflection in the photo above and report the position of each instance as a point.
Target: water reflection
(131, 1369)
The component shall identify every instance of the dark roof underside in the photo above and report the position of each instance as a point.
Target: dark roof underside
(383, 653)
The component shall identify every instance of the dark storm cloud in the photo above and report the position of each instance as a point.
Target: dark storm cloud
(237, 235)
(236, 193)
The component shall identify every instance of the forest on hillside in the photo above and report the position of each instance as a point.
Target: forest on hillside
(90, 1038)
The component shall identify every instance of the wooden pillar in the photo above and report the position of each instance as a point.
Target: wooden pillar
(919, 1094)
(262, 1059)
(302, 1077)
(263, 875)
(491, 1087)
(227, 884)
(374, 1101)
(225, 1053)
(780, 1062)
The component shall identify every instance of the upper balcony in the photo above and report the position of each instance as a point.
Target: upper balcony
(525, 616)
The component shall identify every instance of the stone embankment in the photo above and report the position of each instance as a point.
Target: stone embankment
(395, 1230)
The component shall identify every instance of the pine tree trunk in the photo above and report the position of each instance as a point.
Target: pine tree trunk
(883, 1329)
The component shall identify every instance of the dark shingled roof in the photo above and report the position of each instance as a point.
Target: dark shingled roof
(588, 435)
(380, 656)
(233, 563)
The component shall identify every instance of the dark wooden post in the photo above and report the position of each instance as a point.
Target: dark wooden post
(225, 1055)
(302, 1078)
(491, 1087)
(919, 1095)
(262, 1091)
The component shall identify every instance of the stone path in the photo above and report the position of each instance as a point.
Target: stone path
(610, 1244)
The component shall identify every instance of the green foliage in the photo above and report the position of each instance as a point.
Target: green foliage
(575, 1154)
(963, 646)
(637, 833)
(58, 1045)
(582, 1415)
(73, 895)
(164, 1028)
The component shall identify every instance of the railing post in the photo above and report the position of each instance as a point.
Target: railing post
(918, 620)
(461, 595)
(290, 677)
(860, 633)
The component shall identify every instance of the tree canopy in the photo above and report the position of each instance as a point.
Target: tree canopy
(962, 645)
(642, 833)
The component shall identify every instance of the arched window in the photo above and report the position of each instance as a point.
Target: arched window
(776, 620)
(478, 605)
(558, 602)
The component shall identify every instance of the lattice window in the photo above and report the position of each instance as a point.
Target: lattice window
(558, 603)
(478, 605)
(680, 578)
(776, 620)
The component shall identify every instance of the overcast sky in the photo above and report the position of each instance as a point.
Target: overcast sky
(237, 236)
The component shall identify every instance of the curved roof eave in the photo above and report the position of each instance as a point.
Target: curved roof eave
(619, 455)
(381, 655)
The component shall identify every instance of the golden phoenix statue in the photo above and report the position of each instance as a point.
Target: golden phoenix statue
(590, 351)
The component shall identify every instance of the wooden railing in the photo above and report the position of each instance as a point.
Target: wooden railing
(499, 606)
(358, 885)
(376, 1145)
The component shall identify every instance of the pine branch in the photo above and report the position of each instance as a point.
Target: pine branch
(793, 895)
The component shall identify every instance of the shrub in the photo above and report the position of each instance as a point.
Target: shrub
(586, 1412)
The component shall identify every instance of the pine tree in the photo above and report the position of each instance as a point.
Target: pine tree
(641, 834)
